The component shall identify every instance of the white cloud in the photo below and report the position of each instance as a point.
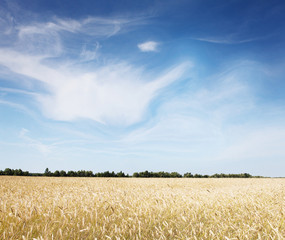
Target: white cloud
(47, 38)
(36, 144)
(117, 94)
(90, 54)
(149, 46)
(97, 27)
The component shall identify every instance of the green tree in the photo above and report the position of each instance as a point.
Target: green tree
(135, 174)
(188, 175)
(62, 173)
(175, 175)
(47, 172)
(71, 174)
(18, 172)
(8, 171)
(120, 174)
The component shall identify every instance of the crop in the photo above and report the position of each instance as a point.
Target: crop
(128, 208)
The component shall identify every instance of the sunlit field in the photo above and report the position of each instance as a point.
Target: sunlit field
(132, 208)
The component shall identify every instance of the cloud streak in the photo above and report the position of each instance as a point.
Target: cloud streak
(94, 26)
(52, 38)
(90, 54)
(36, 144)
(226, 40)
(149, 46)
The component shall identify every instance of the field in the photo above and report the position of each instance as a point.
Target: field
(112, 208)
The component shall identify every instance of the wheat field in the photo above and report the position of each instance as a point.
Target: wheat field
(132, 208)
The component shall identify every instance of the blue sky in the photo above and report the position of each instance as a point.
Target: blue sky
(187, 86)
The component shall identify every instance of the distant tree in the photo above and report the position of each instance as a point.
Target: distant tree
(62, 173)
(89, 174)
(198, 176)
(8, 171)
(71, 174)
(120, 174)
(97, 174)
(81, 173)
(145, 174)
(47, 172)
(175, 175)
(160, 174)
(135, 174)
(18, 172)
(247, 175)
(56, 173)
(188, 175)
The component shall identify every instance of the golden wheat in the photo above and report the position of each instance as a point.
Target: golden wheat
(100, 208)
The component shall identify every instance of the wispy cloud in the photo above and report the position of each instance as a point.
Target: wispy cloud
(201, 112)
(149, 46)
(90, 54)
(20, 107)
(95, 26)
(17, 91)
(50, 38)
(226, 40)
(115, 94)
(36, 144)
(215, 123)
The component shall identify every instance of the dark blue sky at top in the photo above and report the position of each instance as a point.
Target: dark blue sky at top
(235, 20)
(254, 30)
(178, 18)
(180, 21)
(181, 17)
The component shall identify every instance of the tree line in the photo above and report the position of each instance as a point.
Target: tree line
(145, 174)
